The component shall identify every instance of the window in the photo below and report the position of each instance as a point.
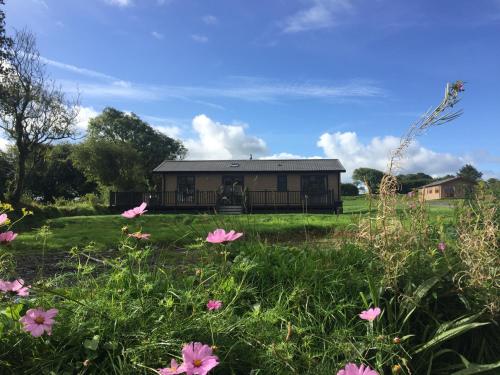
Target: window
(282, 182)
(314, 184)
(436, 190)
(185, 189)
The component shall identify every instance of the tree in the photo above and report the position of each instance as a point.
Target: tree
(5, 174)
(55, 163)
(117, 127)
(33, 111)
(349, 190)
(409, 182)
(112, 164)
(368, 176)
(469, 173)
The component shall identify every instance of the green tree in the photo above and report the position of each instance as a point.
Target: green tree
(409, 182)
(55, 164)
(117, 127)
(116, 165)
(469, 173)
(368, 176)
(349, 189)
(6, 174)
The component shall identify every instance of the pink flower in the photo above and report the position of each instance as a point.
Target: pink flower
(441, 246)
(136, 211)
(352, 369)
(174, 369)
(220, 235)
(7, 237)
(198, 359)
(16, 286)
(38, 321)
(214, 305)
(140, 236)
(3, 219)
(370, 314)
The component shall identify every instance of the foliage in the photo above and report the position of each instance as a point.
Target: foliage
(409, 182)
(6, 169)
(148, 147)
(349, 190)
(369, 177)
(33, 111)
(469, 173)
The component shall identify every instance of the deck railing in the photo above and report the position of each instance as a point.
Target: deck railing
(198, 198)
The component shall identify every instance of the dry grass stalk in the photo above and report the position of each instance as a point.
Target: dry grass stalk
(386, 232)
(478, 243)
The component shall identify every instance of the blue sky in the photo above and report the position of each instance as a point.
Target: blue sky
(283, 78)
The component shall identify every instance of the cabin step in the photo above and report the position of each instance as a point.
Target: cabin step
(231, 210)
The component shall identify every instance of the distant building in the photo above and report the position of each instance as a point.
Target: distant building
(454, 187)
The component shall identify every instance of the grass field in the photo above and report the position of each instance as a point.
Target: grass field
(171, 230)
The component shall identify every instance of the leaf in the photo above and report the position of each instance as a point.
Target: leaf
(92, 344)
(474, 368)
(448, 334)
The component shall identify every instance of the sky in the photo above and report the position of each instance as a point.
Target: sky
(283, 78)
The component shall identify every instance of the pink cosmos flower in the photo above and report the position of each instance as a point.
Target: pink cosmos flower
(198, 359)
(16, 286)
(352, 369)
(140, 236)
(441, 246)
(174, 369)
(7, 237)
(38, 321)
(214, 304)
(220, 236)
(370, 314)
(136, 211)
(3, 219)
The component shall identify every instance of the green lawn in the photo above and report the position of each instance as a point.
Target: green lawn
(169, 230)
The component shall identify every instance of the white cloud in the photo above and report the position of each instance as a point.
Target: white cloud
(218, 141)
(157, 35)
(199, 38)
(171, 131)
(120, 3)
(210, 19)
(78, 70)
(321, 14)
(353, 154)
(84, 115)
(42, 3)
(3, 144)
(287, 155)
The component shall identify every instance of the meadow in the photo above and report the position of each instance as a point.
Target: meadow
(288, 294)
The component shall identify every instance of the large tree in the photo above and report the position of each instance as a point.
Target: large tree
(121, 150)
(469, 173)
(408, 182)
(349, 189)
(368, 176)
(33, 110)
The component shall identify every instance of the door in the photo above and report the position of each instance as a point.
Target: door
(232, 190)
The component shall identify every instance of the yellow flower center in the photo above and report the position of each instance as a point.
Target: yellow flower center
(39, 320)
(197, 362)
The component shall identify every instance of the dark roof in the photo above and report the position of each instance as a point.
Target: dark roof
(257, 165)
(440, 182)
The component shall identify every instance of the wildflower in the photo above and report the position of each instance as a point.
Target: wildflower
(396, 369)
(7, 237)
(458, 86)
(220, 235)
(16, 286)
(352, 369)
(370, 314)
(396, 340)
(38, 321)
(86, 363)
(198, 359)
(214, 305)
(136, 211)
(174, 369)
(3, 219)
(140, 236)
(441, 246)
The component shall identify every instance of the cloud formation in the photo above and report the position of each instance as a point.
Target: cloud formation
(84, 116)
(209, 19)
(199, 38)
(353, 154)
(120, 3)
(214, 140)
(320, 14)
(157, 35)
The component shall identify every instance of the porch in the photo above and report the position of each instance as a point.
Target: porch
(249, 201)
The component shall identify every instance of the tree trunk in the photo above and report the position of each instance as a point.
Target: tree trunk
(21, 173)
